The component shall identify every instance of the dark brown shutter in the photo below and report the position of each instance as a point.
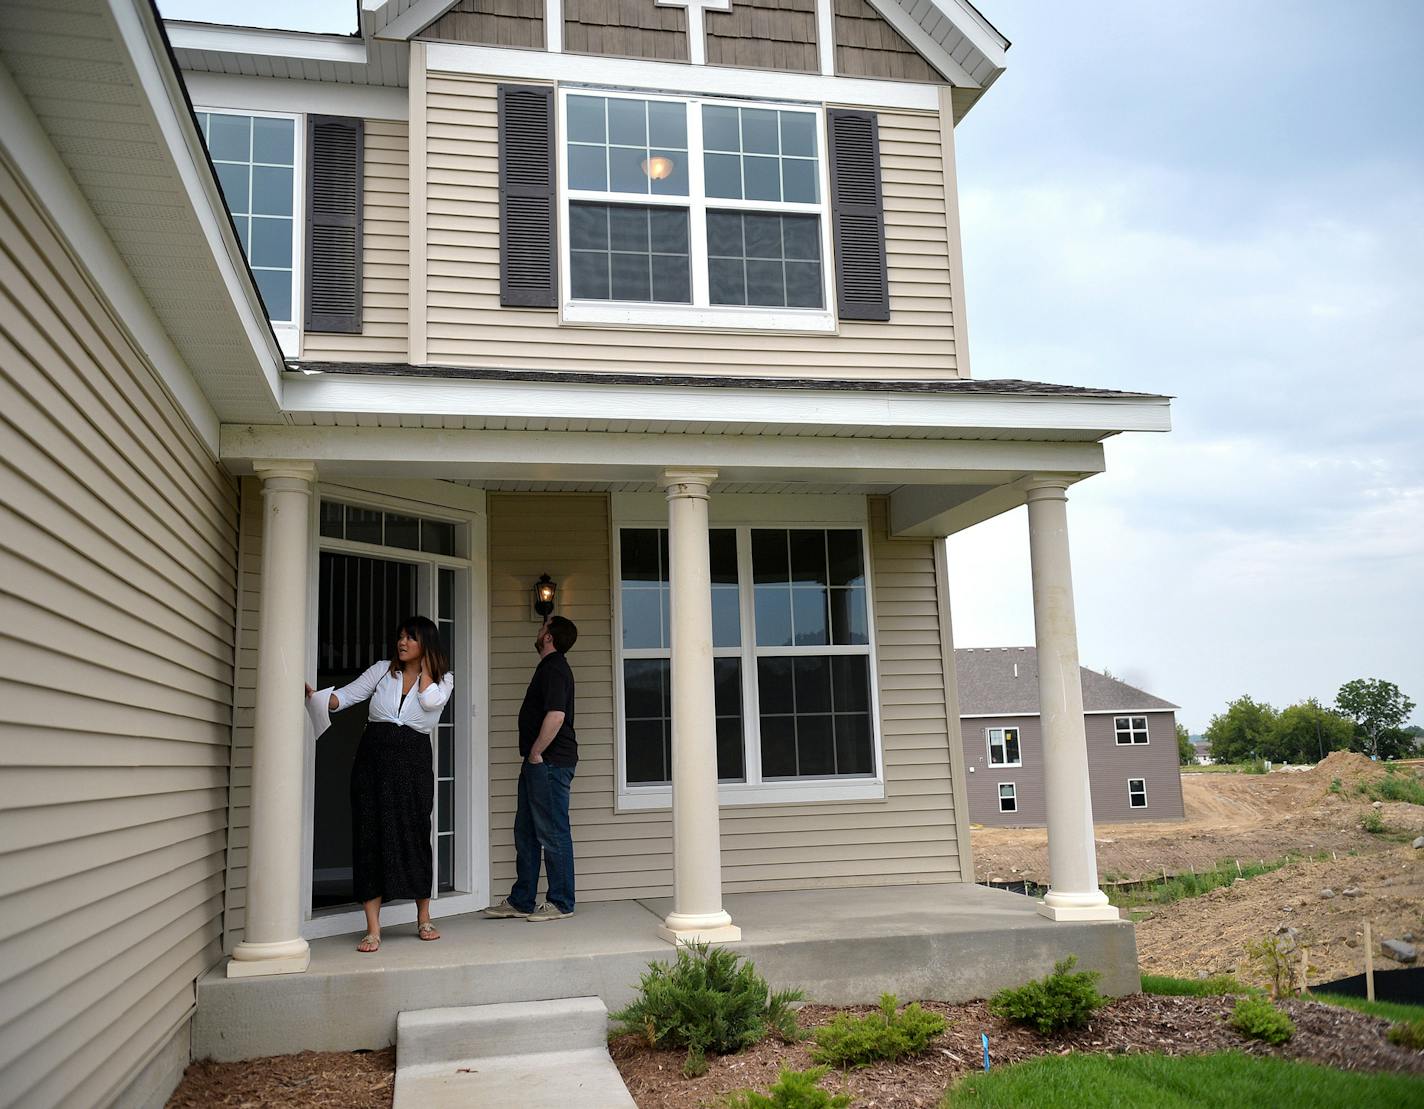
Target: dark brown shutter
(528, 270)
(335, 157)
(858, 216)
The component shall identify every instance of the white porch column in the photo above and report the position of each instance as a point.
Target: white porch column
(697, 914)
(272, 939)
(1072, 861)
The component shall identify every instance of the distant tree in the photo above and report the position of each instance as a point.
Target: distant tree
(1416, 739)
(1186, 753)
(1379, 711)
(1238, 734)
(1307, 732)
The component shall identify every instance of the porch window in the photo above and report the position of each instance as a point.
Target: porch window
(792, 656)
(1004, 747)
(684, 211)
(1008, 797)
(1137, 793)
(1130, 729)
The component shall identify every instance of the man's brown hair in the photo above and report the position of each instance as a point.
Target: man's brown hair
(564, 633)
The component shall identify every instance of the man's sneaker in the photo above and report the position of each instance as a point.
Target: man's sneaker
(547, 911)
(505, 911)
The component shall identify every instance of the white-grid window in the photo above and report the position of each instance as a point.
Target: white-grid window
(1004, 747)
(684, 211)
(1137, 793)
(792, 657)
(1008, 797)
(1130, 729)
(256, 159)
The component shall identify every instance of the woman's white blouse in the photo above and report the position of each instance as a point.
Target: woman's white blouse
(420, 709)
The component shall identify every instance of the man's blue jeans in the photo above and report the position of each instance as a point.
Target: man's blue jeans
(541, 825)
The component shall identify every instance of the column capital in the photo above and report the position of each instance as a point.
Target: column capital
(1047, 487)
(677, 482)
(293, 469)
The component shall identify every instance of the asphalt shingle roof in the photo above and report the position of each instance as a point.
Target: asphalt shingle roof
(1003, 681)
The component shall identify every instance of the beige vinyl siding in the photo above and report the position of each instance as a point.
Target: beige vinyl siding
(908, 837)
(117, 582)
(385, 256)
(467, 325)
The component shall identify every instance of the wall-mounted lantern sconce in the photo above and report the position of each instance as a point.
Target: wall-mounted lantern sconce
(544, 590)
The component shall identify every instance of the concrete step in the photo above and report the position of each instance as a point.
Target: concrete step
(534, 1054)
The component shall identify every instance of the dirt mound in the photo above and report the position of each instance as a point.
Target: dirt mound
(1349, 766)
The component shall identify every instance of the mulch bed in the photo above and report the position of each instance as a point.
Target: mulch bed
(1336, 1037)
(1168, 1025)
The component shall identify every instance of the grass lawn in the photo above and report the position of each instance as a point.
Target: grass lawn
(1195, 987)
(1161, 1082)
(1389, 1010)
(1225, 768)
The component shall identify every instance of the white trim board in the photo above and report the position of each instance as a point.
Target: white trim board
(228, 39)
(281, 94)
(625, 73)
(1086, 712)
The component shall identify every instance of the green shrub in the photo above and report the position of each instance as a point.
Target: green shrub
(1255, 766)
(795, 1089)
(859, 1041)
(1260, 1020)
(1064, 999)
(1372, 823)
(1408, 1033)
(1397, 787)
(705, 1002)
(1335, 786)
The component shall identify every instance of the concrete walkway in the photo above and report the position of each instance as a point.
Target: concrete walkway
(532, 1054)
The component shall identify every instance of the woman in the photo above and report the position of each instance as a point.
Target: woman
(393, 779)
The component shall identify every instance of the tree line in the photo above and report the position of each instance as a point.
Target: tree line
(1368, 716)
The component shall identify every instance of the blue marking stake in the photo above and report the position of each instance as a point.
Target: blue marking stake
(985, 1037)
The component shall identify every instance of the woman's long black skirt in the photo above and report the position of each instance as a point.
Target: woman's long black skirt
(392, 795)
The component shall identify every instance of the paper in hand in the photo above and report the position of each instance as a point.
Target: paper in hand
(319, 709)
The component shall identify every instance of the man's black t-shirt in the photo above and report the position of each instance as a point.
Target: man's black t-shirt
(550, 690)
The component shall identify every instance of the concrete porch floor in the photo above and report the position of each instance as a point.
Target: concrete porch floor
(841, 946)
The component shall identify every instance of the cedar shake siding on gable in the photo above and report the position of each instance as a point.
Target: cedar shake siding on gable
(491, 23)
(469, 327)
(1110, 765)
(764, 34)
(626, 29)
(118, 550)
(867, 46)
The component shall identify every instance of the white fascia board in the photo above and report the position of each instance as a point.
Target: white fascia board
(28, 148)
(414, 19)
(1086, 712)
(223, 39)
(625, 73)
(982, 35)
(804, 408)
(935, 53)
(162, 87)
(281, 94)
(630, 456)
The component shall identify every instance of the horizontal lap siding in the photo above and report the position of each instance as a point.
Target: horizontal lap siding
(385, 250)
(983, 780)
(244, 702)
(118, 573)
(467, 325)
(908, 837)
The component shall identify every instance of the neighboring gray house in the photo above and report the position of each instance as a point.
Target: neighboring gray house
(1132, 742)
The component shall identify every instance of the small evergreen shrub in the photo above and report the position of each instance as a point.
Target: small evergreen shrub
(795, 1089)
(706, 1002)
(859, 1041)
(1258, 1019)
(1408, 1034)
(1064, 999)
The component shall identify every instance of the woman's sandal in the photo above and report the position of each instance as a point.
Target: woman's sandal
(426, 931)
(370, 943)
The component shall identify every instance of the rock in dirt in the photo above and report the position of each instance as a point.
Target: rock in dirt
(1327, 894)
(1351, 891)
(1400, 951)
(1418, 843)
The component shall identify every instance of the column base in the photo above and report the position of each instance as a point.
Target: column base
(1080, 906)
(253, 960)
(689, 928)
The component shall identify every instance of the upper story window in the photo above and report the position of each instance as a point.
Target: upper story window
(1130, 729)
(691, 212)
(1004, 747)
(255, 155)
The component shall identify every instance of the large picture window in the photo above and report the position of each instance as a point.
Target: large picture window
(693, 212)
(792, 658)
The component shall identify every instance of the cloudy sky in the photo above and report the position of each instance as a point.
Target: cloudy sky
(1221, 201)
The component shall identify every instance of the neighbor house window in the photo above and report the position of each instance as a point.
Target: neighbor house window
(1004, 747)
(696, 212)
(1130, 729)
(1137, 793)
(1008, 797)
(791, 656)
(255, 156)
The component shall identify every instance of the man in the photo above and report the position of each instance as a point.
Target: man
(550, 753)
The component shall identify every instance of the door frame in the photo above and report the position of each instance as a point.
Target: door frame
(461, 505)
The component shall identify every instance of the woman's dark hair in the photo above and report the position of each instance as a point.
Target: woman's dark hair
(424, 632)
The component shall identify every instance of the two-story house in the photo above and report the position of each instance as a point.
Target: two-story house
(303, 333)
